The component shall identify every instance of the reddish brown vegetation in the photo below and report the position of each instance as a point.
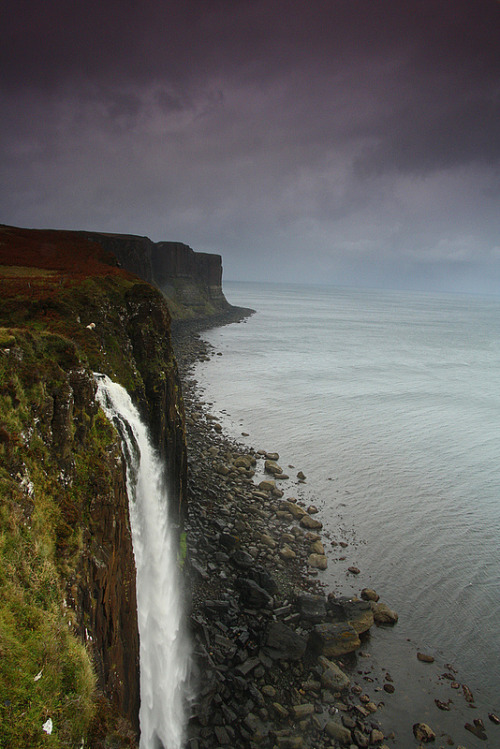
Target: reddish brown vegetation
(70, 253)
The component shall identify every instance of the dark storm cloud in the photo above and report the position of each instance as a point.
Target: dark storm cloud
(361, 131)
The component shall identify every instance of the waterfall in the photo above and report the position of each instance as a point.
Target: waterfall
(164, 653)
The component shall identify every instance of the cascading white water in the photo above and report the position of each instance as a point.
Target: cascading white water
(164, 652)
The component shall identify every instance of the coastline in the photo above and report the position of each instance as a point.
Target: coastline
(256, 603)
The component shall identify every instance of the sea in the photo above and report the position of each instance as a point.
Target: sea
(389, 402)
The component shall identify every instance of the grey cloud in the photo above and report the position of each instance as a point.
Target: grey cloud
(362, 131)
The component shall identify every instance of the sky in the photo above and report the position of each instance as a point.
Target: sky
(348, 142)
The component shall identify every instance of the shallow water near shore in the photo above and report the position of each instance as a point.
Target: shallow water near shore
(390, 404)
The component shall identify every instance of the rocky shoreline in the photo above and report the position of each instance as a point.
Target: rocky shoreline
(279, 662)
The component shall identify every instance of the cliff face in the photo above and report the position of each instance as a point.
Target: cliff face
(68, 604)
(191, 281)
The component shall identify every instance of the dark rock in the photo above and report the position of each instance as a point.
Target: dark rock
(242, 559)
(252, 594)
(477, 730)
(312, 607)
(228, 541)
(264, 579)
(283, 643)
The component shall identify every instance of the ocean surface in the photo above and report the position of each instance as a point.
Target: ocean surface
(389, 402)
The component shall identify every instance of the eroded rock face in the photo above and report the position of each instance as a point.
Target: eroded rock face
(107, 604)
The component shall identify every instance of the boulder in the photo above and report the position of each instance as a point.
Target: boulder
(270, 466)
(382, 614)
(357, 613)
(333, 639)
(245, 461)
(338, 732)
(318, 561)
(317, 547)
(283, 643)
(287, 553)
(242, 559)
(304, 710)
(332, 678)
(263, 578)
(294, 509)
(252, 594)
(423, 732)
(267, 486)
(310, 523)
(312, 608)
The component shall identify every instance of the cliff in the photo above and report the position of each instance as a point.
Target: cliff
(68, 621)
(191, 281)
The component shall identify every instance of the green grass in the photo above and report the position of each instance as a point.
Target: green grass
(37, 633)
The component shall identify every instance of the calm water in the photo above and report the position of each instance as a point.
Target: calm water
(390, 404)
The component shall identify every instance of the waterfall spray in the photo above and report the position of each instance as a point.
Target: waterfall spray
(164, 653)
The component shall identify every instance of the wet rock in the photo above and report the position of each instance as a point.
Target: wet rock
(295, 510)
(267, 486)
(312, 608)
(245, 461)
(358, 613)
(423, 732)
(334, 639)
(270, 466)
(332, 677)
(318, 561)
(477, 729)
(442, 705)
(283, 643)
(338, 732)
(317, 548)
(383, 614)
(368, 594)
(494, 719)
(376, 736)
(467, 693)
(306, 521)
(360, 739)
(354, 570)
(425, 658)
